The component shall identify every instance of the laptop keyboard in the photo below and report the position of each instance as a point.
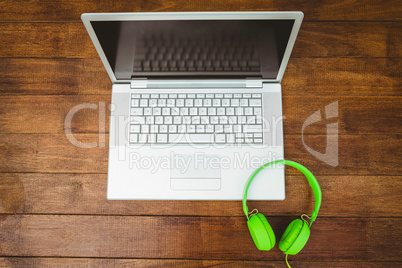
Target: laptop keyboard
(196, 118)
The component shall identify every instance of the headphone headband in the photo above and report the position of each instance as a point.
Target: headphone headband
(310, 177)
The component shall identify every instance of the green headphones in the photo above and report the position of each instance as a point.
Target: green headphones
(298, 231)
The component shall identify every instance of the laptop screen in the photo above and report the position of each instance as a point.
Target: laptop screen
(194, 48)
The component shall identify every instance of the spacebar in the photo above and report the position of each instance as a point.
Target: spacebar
(191, 138)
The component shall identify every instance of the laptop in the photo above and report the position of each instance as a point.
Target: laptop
(196, 102)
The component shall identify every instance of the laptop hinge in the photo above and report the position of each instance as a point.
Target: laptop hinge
(252, 82)
(249, 82)
(139, 83)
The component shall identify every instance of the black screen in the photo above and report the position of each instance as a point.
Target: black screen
(194, 48)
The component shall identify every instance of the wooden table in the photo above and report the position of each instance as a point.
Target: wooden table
(53, 195)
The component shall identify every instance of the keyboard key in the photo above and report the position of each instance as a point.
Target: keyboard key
(147, 111)
(163, 129)
(248, 111)
(184, 111)
(255, 102)
(189, 102)
(257, 111)
(216, 102)
(200, 129)
(202, 111)
(207, 102)
(149, 120)
(218, 128)
(226, 102)
(133, 138)
(230, 111)
(190, 128)
(200, 96)
(257, 95)
(209, 129)
(162, 103)
(168, 120)
(135, 128)
(230, 138)
(238, 96)
(211, 111)
(228, 96)
(135, 96)
(191, 138)
(135, 103)
(175, 111)
(158, 120)
(220, 111)
(235, 103)
(252, 128)
(214, 120)
(186, 120)
(239, 111)
(153, 103)
(220, 138)
(144, 128)
(180, 102)
(136, 111)
(145, 96)
(142, 138)
(144, 103)
(177, 120)
(198, 102)
(161, 138)
(193, 111)
(173, 129)
(165, 111)
(137, 120)
(219, 96)
(171, 103)
(244, 102)
(157, 111)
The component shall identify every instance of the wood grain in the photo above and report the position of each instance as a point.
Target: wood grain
(109, 262)
(53, 207)
(35, 193)
(217, 238)
(354, 115)
(361, 155)
(315, 39)
(313, 10)
(303, 76)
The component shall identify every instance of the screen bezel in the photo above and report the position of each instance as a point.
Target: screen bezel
(297, 16)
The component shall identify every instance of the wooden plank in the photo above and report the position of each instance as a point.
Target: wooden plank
(316, 39)
(373, 196)
(98, 262)
(303, 76)
(216, 238)
(53, 76)
(358, 154)
(313, 10)
(354, 115)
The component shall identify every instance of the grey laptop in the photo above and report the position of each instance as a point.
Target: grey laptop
(196, 102)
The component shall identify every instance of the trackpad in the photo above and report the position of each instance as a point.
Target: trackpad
(195, 173)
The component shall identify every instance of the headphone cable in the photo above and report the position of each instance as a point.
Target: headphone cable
(286, 259)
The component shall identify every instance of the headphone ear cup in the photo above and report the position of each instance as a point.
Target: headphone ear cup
(261, 232)
(295, 237)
